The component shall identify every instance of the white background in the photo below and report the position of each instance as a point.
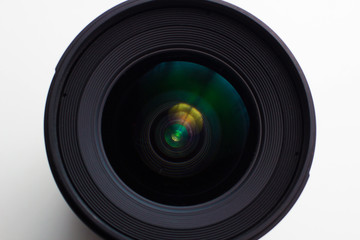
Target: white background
(324, 35)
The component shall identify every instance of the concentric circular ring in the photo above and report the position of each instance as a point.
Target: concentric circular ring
(261, 183)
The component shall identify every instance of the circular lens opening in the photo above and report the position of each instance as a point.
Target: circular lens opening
(179, 120)
(176, 132)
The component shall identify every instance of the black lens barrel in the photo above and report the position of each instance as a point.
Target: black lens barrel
(106, 133)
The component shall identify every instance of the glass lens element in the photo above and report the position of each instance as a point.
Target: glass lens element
(185, 135)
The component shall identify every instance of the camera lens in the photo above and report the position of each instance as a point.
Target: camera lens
(181, 119)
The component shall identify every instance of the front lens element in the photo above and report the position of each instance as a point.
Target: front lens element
(186, 135)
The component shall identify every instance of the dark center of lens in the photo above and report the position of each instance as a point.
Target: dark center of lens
(186, 134)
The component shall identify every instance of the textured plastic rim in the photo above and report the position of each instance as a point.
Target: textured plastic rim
(73, 52)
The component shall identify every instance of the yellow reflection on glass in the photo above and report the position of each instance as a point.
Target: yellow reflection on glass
(188, 115)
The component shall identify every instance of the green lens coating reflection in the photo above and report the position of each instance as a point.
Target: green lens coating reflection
(176, 135)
